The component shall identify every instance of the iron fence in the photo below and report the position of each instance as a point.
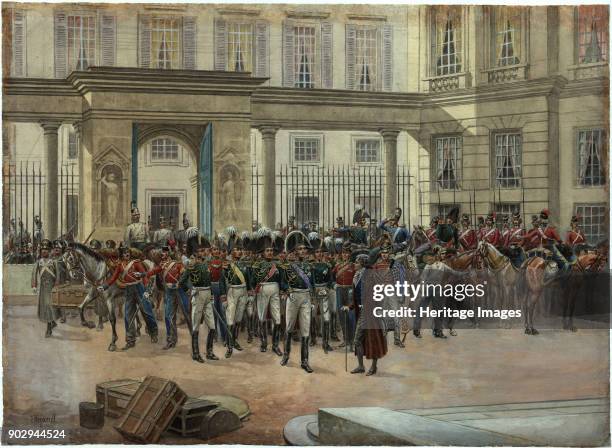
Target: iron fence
(24, 204)
(322, 193)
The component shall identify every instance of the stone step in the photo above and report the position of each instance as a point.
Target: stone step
(379, 426)
(296, 433)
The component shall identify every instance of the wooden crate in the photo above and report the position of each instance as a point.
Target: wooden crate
(69, 296)
(151, 410)
(115, 395)
(189, 419)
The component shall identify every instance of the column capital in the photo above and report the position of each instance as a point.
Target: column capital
(268, 131)
(50, 127)
(389, 134)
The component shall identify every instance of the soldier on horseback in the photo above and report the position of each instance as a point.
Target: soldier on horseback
(447, 234)
(575, 236)
(163, 235)
(490, 233)
(513, 241)
(467, 237)
(431, 232)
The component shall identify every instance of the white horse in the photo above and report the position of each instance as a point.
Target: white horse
(83, 261)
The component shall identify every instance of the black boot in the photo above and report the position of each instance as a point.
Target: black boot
(304, 363)
(276, 332)
(210, 339)
(228, 340)
(250, 329)
(49, 329)
(334, 327)
(373, 369)
(326, 346)
(263, 332)
(313, 331)
(360, 368)
(236, 344)
(195, 347)
(287, 352)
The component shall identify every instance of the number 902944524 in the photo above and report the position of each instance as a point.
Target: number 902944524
(36, 434)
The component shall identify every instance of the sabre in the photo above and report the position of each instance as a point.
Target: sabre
(92, 232)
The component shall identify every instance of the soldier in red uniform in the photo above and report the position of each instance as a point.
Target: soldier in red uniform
(131, 276)
(344, 272)
(431, 232)
(514, 236)
(533, 238)
(550, 231)
(490, 233)
(170, 272)
(575, 236)
(467, 237)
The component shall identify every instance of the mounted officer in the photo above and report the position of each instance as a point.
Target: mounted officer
(467, 237)
(514, 241)
(188, 231)
(136, 233)
(358, 232)
(163, 235)
(575, 236)
(447, 234)
(490, 232)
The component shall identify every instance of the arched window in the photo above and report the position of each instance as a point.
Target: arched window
(165, 149)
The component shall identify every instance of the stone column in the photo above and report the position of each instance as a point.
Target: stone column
(268, 134)
(390, 140)
(50, 216)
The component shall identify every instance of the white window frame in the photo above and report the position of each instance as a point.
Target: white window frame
(229, 43)
(435, 45)
(361, 138)
(314, 64)
(154, 57)
(91, 16)
(506, 209)
(445, 183)
(603, 142)
(297, 137)
(499, 61)
(581, 209)
(513, 143)
(371, 47)
(578, 34)
(153, 192)
(180, 160)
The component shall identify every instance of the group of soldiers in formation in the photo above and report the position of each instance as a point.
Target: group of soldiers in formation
(291, 284)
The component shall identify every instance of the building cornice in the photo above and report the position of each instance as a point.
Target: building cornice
(599, 86)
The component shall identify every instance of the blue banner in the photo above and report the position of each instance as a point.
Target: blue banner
(205, 180)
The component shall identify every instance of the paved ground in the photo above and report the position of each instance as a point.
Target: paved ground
(49, 377)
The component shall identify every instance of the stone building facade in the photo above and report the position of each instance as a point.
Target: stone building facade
(489, 107)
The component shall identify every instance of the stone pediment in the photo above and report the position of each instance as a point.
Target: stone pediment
(111, 155)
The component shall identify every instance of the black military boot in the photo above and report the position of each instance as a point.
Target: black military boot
(195, 347)
(228, 340)
(276, 332)
(304, 363)
(250, 324)
(313, 331)
(263, 332)
(236, 344)
(326, 346)
(49, 329)
(334, 327)
(287, 352)
(210, 339)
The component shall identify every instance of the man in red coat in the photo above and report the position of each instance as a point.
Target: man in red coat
(490, 233)
(431, 232)
(514, 236)
(130, 276)
(467, 237)
(575, 236)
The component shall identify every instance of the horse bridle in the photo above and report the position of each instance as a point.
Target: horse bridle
(76, 267)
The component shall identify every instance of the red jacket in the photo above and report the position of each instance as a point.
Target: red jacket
(574, 238)
(551, 234)
(344, 272)
(124, 274)
(491, 236)
(216, 269)
(171, 271)
(431, 234)
(514, 237)
(468, 239)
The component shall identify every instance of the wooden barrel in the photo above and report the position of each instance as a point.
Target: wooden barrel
(218, 421)
(91, 415)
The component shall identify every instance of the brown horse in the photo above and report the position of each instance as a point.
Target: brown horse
(505, 275)
(538, 273)
(589, 262)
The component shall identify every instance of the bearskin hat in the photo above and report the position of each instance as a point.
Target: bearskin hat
(465, 218)
(516, 216)
(45, 244)
(359, 214)
(315, 240)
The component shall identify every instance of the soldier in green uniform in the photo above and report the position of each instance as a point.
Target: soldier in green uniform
(447, 234)
(358, 232)
(196, 277)
(247, 258)
(297, 283)
(265, 282)
(234, 283)
(321, 273)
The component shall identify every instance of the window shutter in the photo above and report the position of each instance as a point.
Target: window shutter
(19, 67)
(262, 31)
(288, 48)
(387, 57)
(109, 40)
(60, 45)
(189, 43)
(351, 36)
(220, 45)
(327, 58)
(144, 37)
